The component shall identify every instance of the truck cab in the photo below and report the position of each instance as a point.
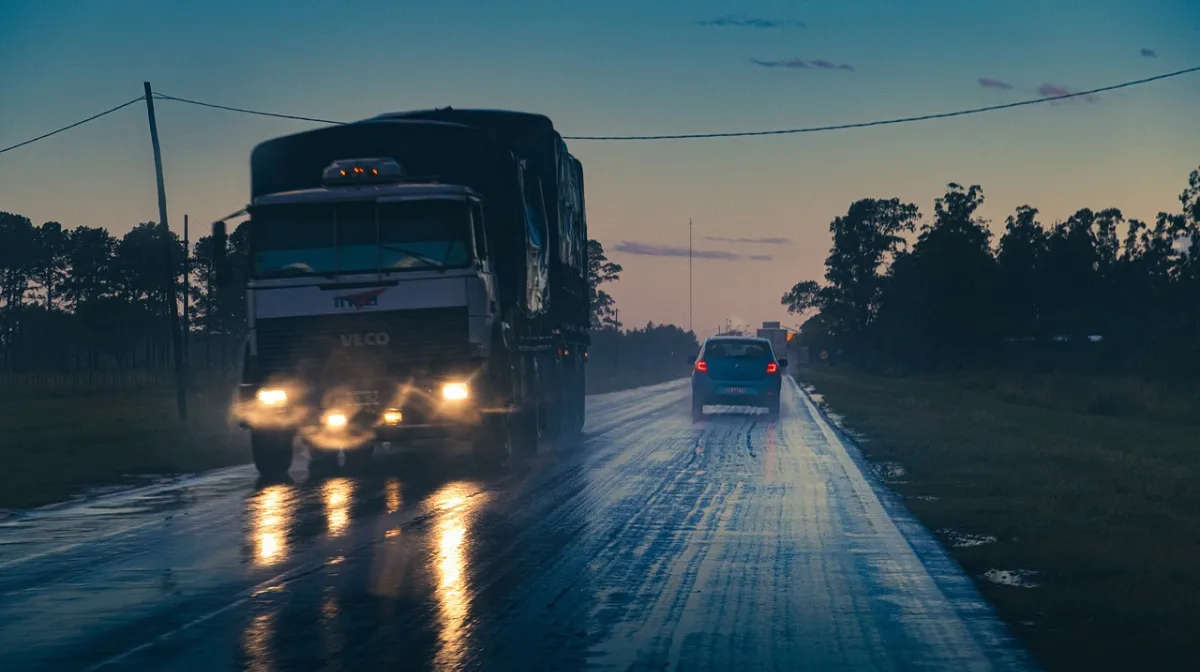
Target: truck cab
(398, 285)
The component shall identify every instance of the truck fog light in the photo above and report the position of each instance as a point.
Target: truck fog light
(454, 391)
(271, 396)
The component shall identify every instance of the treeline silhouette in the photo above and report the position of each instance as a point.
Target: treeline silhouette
(84, 300)
(1097, 293)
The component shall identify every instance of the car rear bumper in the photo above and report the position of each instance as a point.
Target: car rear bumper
(735, 393)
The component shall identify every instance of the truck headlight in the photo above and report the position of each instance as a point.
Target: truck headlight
(270, 396)
(336, 420)
(454, 391)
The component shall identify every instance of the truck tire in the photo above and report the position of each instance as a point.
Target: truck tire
(697, 408)
(491, 445)
(272, 453)
(525, 432)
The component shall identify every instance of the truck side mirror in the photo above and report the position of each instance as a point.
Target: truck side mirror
(782, 363)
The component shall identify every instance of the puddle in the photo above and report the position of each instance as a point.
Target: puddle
(966, 539)
(1016, 578)
(889, 471)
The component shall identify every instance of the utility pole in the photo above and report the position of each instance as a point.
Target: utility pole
(172, 307)
(689, 274)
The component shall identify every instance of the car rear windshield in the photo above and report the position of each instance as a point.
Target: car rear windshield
(736, 350)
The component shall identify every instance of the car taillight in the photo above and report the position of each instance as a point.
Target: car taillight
(772, 367)
(702, 366)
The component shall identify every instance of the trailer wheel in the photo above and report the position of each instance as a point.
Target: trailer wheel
(272, 453)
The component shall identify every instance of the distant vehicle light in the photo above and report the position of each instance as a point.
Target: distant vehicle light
(454, 391)
(772, 367)
(336, 420)
(701, 366)
(358, 171)
(392, 416)
(271, 396)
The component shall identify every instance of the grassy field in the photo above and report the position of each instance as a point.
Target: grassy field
(52, 447)
(1091, 484)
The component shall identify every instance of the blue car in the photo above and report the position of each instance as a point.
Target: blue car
(736, 371)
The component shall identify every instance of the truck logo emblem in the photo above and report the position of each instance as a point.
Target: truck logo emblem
(372, 338)
(360, 300)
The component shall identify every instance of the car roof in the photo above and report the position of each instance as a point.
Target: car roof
(749, 339)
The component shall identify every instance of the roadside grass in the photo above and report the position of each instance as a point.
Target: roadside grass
(52, 447)
(1092, 484)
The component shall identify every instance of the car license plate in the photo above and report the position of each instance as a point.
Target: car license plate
(735, 390)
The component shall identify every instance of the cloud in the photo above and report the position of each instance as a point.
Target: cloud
(655, 250)
(731, 21)
(801, 64)
(753, 241)
(1055, 90)
(1149, 53)
(989, 83)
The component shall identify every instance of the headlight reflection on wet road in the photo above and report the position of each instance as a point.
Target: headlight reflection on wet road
(270, 513)
(450, 546)
(337, 493)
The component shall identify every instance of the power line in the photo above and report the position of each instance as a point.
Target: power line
(78, 123)
(886, 122)
(227, 108)
(784, 131)
(679, 136)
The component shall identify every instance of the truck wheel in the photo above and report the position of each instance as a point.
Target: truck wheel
(555, 422)
(697, 408)
(525, 431)
(491, 446)
(272, 453)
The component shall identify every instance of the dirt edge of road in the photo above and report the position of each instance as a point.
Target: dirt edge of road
(1081, 530)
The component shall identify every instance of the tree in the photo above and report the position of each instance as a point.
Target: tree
(601, 271)
(48, 266)
(943, 293)
(1021, 258)
(89, 257)
(864, 240)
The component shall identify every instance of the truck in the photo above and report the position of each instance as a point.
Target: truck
(413, 275)
(778, 335)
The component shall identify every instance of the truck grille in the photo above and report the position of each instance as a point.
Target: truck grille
(377, 344)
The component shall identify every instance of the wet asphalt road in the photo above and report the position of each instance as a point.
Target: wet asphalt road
(656, 543)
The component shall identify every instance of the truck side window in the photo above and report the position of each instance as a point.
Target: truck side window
(478, 230)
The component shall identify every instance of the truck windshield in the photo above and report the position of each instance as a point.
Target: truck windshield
(362, 236)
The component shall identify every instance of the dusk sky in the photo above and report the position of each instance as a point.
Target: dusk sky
(615, 68)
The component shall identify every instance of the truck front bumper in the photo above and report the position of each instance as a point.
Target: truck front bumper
(339, 420)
